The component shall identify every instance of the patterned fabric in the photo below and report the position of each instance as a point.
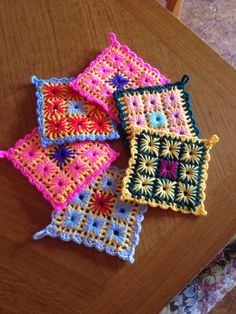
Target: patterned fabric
(160, 107)
(64, 116)
(97, 218)
(60, 171)
(208, 288)
(168, 170)
(116, 68)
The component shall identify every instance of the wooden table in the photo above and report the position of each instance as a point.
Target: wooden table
(59, 38)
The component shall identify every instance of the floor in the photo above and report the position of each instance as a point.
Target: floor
(215, 22)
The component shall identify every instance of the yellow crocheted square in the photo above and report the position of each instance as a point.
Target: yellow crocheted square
(168, 170)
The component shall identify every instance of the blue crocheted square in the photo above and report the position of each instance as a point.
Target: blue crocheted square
(167, 170)
(98, 218)
(164, 108)
(64, 116)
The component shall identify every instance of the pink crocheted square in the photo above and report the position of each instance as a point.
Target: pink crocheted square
(115, 69)
(60, 171)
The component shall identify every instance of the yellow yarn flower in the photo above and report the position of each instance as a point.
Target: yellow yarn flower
(188, 172)
(186, 193)
(149, 144)
(143, 184)
(191, 153)
(170, 149)
(147, 164)
(165, 189)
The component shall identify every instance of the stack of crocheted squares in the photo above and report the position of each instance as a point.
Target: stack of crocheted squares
(67, 159)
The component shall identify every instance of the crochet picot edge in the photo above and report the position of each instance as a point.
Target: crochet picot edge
(56, 205)
(126, 195)
(186, 97)
(45, 140)
(51, 231)
(113, 43)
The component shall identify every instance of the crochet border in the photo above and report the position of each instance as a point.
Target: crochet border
(186, 97)
(127, 255)
(112, 155)
(113, 43)
(125, 193)
(81, 137)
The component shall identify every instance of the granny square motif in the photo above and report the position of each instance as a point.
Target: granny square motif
(60, 171)
(98, 218)
(64, 116)
(160, 107)
(168, 170)
(116, 68)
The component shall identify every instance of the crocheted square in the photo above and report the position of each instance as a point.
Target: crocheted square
(98, 218)
(160, 107)
(168, 170)
(64, 116)
(115, 69)
(60, 171)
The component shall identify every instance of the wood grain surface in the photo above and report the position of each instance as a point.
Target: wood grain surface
(59, 38)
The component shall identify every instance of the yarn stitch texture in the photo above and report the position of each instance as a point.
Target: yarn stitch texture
(97, 218)
(64, 116)
(115, 69)
(60, 171)
(165, 108)
(168, 170)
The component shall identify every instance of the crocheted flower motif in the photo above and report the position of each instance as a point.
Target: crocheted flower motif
(170, 148)
(76, 107)
(53, 92)
(138, 120)
(55, 107)
(62, 155)
(148, 165)
(180, 130)
(60, 172)
(100, 123)
(98, 218)
(56, 127)
(167, 170)
(117, 68)
(157, 119)
(82, 198)
(78, 124)
(64, 116)
(122, 210)
(143, 185)
(176, 116)
(30, 154)
(93, 154)
(94, 225)
(188, 172)
(119, 81)
(192, 153)
(135, 103)
(116, 233)
(102, 203)
(165, 189)
(153, 102)
(45, 169)
(161, 107)
(186, 194)
(171, 98)
(59, 184)
(149, 144)
(109, 183)
(72, 218)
